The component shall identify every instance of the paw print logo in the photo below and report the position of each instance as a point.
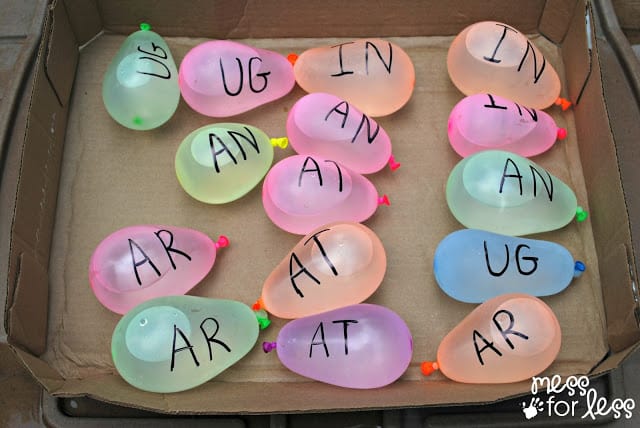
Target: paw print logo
(535, 406)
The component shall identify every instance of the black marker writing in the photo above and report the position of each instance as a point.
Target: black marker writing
(187, 346)
(315, 342)
(140, 262)
(342, 71)
(210, 338)
(492, 58)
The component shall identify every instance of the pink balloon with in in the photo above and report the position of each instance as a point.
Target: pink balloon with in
(485, 122)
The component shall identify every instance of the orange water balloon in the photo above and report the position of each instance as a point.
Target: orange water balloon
(335, 265)
(508, 338)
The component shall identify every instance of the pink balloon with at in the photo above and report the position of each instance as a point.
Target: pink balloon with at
(325, 125)
(138, 263)
(487, 122)
(360, 346)
(222, 78)
(301, 193)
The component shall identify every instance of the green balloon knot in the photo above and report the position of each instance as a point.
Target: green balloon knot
(145, 27)
(263, 319)
(581, 214)
(137, 120)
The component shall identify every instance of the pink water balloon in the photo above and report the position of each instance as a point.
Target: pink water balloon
(360, 346)
(484, 121)
(508, 338)
(138, 263)
(375, 75)
(301, 193)
(222, 78)
(336, 265)
(492, 57)
(321, 124)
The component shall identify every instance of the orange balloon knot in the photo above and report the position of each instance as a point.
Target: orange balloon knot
(393, 165)
(292, 58)
(563, 103)
(257, 305)
(222, 242)
(562, 133)
(428, 367)
(384, 200)
(268, 346)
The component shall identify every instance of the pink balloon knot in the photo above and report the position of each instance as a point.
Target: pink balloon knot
(562, 133)
(393, 165)
(268, 346)
(384, 200)
(222, 242)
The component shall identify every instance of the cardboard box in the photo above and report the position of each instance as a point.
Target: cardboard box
(72, 176)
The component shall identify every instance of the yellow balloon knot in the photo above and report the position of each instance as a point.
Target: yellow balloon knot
(281, 142)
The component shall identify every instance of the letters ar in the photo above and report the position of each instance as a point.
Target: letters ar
(504, 332)
(208, 335)
(139, 257)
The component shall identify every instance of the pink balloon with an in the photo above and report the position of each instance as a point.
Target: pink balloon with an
(138, 263)
(222, 78)
(321, 124)
(490, 122)
(301, 193)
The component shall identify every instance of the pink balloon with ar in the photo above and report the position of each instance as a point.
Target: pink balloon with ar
(222, 78)
(321, 124)
(138, 263)
(301, 193)
(360, 346)
(485, 122)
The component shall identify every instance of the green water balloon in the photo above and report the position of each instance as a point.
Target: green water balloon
(222, 162)
(140, 88)
(175, 343)
(502, 192)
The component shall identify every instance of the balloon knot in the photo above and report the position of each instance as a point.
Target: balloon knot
(268, 346)
(563, 103)
(145, 26)
(263, 320)
(393, 165)
(257, 305)
(222, 242)
(578, 269)
(581, 214)
(281, 142)
(384, 200)
(292, 58)
(428, 367)
(562, 133)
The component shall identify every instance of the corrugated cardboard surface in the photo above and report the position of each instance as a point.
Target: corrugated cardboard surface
(113, 177)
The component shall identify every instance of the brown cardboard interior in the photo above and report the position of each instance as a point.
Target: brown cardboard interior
(111, 177)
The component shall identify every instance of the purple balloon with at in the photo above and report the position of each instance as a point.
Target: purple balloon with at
(360, 346)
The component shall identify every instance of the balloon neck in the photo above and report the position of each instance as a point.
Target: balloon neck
(281, 142)
(268, 346)
(292, 58)
(263, 318)
(563, 103)
(393, 165)
(581, 214)
(222, 242)
(428, 367)
(562, 133)
(384, 200)
(578, 269)
(145, 26)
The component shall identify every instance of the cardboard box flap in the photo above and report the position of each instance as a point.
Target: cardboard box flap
(61, 54)
(556, 17)
(27, 314)
(578, 60)
(279, 19)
